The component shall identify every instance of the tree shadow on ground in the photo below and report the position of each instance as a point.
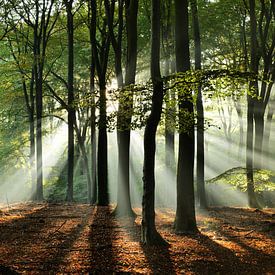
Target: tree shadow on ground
(245, 220)
(101, 238)
(235, 227)
(56, 258)
(223, 248)
(34, 241)
(15, 234)
(158, 257)
(217, 259)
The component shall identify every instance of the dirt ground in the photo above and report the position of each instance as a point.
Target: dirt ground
(83, 239)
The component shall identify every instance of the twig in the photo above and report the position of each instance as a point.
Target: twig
(248, 233)
(55, 231)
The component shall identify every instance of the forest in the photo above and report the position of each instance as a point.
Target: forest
(137, 137)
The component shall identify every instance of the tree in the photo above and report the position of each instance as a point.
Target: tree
(126, 98)
(170, 100)
(149, 234)
(200, 109)
(253, 86)
(266, 50)
(93, 107)
(124, 127)
(76, 124)
(185, 220)
(71, 109)
(101, 54)
(18, 44)
(38, 16)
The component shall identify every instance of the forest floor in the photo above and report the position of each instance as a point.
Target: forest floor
(83, 239)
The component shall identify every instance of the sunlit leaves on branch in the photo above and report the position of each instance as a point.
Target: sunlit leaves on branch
(264, 180)
(222, 83)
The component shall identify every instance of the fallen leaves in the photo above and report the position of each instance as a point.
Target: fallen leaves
(82, 239)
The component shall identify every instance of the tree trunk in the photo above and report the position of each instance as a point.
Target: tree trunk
(168, 48)
(239, 111)
(93, 130)
(102, 155)
(252, 202)
(38, 68)
(268, 131)
(101, 60)
(265, 49)
(149, 234)
(200, 111)
(30, 104)
(259, 135)
(124, 207)
(250, 108)
(93, 112)
(32, 151)
(71, 109)
(185, 214)
(83, 151)
(39, 162)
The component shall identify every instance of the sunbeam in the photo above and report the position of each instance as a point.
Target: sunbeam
(16, 183)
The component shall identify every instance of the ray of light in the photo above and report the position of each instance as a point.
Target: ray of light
(17, 185)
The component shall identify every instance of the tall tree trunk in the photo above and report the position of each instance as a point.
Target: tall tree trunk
(149, 234)
(168, 48)
(239, 111)
(268, 131)
(101, 60)
(259, 111)
(93, 110)
(71, 109)
(170, 161)
(85, 162)
(185, 214)
(250, 108)
(124, 207)
(38, 68)
(30, 104)
(259, 135)
(93, 129)
(32, 149)
(266, 51)
(200, 110)
(102, 155)
(39, 162)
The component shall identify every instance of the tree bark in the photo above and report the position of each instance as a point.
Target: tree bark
(38, 72)
(250, 108)
(185, 220)
(266, 51)
(102, 156)
(170, 116)
(71, 109)
(93, 108)
(149, 234)
(124, 207)
(93, 129)
(101, 56)
(200, 111)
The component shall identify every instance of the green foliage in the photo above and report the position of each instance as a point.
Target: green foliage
(264, 180)
(136, 99)
(13, 119)
(56, 184)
